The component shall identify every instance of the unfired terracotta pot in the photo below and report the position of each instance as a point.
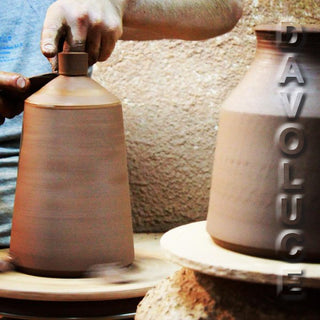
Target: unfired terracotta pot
(265, 194)
(72, 206)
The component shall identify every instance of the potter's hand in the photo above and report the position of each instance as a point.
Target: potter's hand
(12, 94)
(6, 264)
(93, 26)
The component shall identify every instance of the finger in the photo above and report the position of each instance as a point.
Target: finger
(93, 44)
(13, 82)
(19, 107)
(5, 266)
(53, 29)
(77, 32)
(54, 64)
(108, 43)
(10, 107)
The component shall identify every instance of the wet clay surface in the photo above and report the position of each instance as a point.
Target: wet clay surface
(72, 207)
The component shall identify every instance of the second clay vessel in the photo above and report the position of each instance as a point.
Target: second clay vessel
(265, 193)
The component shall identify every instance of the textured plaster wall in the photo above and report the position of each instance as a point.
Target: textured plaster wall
(171, 93)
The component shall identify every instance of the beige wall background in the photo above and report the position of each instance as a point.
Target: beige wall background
(171, 92)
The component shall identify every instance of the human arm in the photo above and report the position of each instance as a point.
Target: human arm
(176, 19)
(95, 25)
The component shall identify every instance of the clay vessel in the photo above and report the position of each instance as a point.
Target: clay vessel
(72, 205)
(265, 193)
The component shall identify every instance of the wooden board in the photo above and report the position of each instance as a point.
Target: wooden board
(148, 268)
(191, 246)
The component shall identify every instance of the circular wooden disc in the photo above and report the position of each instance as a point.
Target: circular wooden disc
(191, 246)
(149, 267)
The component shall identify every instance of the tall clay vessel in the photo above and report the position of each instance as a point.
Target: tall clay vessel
(265, 194)
(72, 205)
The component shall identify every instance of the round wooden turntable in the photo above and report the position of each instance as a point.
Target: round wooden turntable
(192, 247)
(103, 295)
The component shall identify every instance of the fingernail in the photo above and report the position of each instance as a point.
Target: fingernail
(21, 83)
(48, 48)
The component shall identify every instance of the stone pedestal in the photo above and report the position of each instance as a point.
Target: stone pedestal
(190, 295)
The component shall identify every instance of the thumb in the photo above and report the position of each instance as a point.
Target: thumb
(52, 30)
(13, 81)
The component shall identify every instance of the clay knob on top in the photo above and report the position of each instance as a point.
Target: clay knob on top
(73, 63)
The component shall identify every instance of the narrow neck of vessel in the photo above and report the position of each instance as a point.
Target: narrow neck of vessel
(73, 63)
